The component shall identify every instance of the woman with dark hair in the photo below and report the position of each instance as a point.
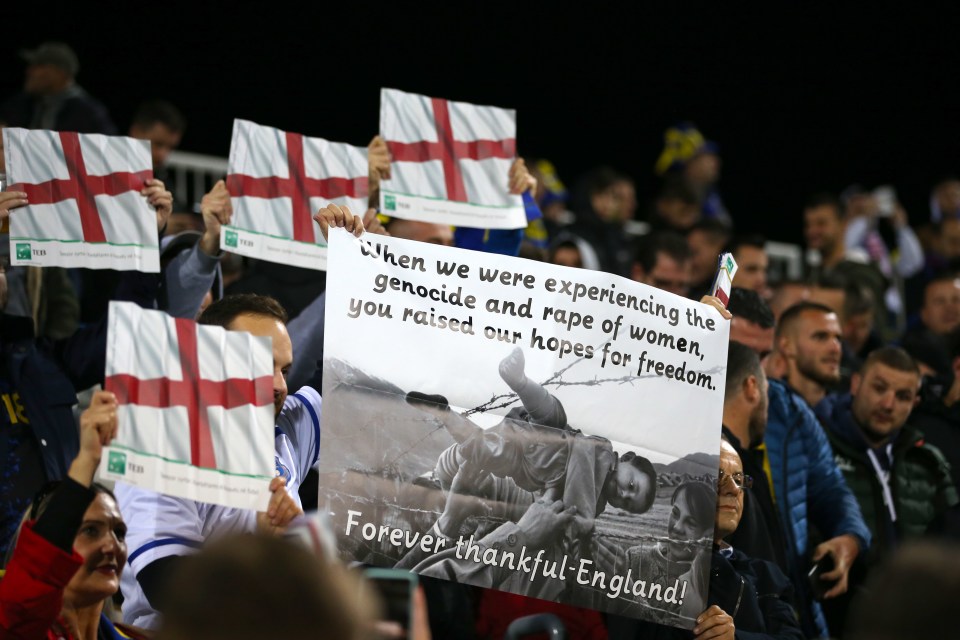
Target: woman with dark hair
(69, 550)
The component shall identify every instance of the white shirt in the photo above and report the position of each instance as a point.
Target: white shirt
(160, 526)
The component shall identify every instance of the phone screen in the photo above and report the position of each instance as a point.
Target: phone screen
(397, 596)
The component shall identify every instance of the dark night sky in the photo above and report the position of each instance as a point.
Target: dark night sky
(799, 96)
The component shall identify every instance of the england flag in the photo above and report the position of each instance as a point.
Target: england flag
(196, 408)
(85, 207)
(450, 162)
(277, 181)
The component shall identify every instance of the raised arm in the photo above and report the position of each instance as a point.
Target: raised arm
(378, 159)
(504, 241)
(43, 561)
(333, 215)
(189, 277)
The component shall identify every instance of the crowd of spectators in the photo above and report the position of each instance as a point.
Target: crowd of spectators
(841, 423)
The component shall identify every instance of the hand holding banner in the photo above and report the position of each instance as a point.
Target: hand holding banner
(449, 162)
(85, 207)
(277, 181)
(196, 403)
(542, 430)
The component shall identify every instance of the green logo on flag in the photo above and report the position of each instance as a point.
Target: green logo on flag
(117, 463)
(390, 203)
(23, 252)
(231, 238)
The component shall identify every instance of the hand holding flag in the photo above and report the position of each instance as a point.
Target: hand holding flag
(521, 180)
(10, 200)
(217, 210)
(379, 158)
(92, 200)
(278, 179)
(160, 199)
(447, 162)
(198, 400)
(281, 511)
(98, 428)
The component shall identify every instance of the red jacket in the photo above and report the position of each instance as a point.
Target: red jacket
(31, 592)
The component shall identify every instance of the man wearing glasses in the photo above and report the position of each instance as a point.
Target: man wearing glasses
(748, 597)
(746, 594)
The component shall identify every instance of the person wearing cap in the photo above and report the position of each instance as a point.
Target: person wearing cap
(696, 160)
(51, 98)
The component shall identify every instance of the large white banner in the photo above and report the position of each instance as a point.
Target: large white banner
(85, 207)
(277, 181)
(450, 162)
(484, 386)
(196, 408)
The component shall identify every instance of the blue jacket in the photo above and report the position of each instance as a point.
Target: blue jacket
(808, 486)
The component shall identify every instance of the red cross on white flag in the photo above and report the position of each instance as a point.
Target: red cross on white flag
(278, 180)
(85, 205)
(450, 162)
(196, 407)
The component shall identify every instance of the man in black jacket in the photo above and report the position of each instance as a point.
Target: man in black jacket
(51, 98)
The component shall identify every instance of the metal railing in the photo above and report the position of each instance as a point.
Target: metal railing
(786, 261)
(194, 174)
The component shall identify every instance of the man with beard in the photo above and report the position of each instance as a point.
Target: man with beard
(808, 339)
(808, 489)
(902, 483)
(805, 487)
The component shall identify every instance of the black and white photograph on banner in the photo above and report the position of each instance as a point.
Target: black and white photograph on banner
(521, 426)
